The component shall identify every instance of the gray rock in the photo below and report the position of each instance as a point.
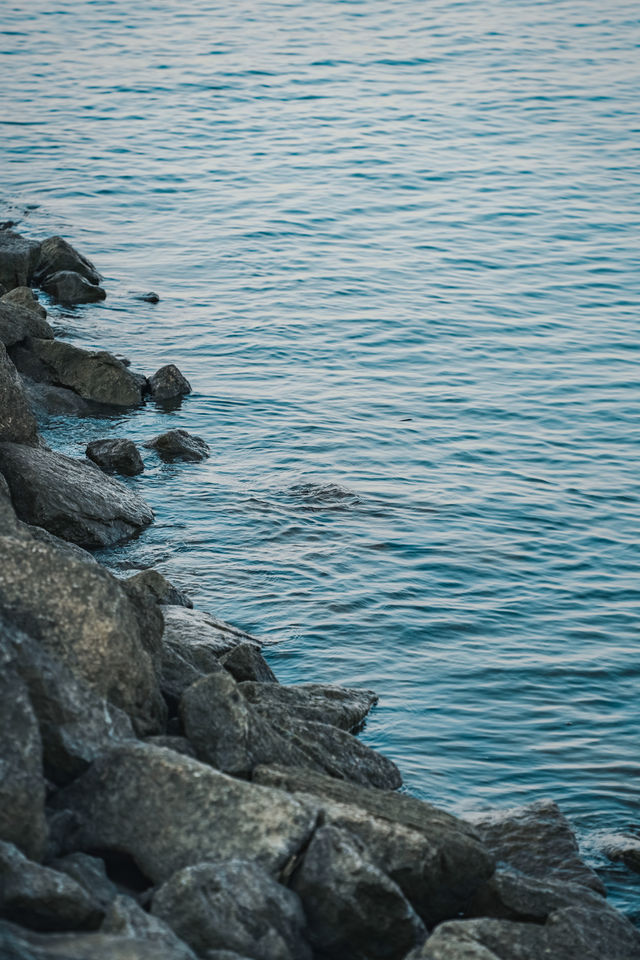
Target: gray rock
(625, 848)
(125, 918)
(179, 744)
(168, 811)
(179, 445)
(339, 706)
(160, 589)
(354, 911)
(245, 662)
(40, 898)
(17, 323)
(69, 549)
(47, 400)
(17, 422)
(9, 523)
(118, 455)
(537, 840)
(56, 255)
(150, 297)
(18, 259)
(233, 905)
(511, 895)
(168, 383)
(26, 298)
(90, 873)
(70, 287)
(93, 375)
(19, 944)
(183, 666)
(72, 499)
(193, 627)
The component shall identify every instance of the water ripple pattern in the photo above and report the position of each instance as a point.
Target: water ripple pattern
(396, 249)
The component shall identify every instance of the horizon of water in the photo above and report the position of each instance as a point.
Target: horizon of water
(396, 250)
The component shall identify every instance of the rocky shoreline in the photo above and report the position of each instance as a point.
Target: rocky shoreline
(162, 794)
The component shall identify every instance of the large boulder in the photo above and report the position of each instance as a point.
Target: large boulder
(323, 703)
(168, 383)
(72, 499)
(70, 287)
(18, 259)
(160, 589)
(17, 422)
(168, 811)
(57, 254)
(116, 455)
(17, 323)
(26, 298)
(92, 374)
(510, 895)
(125, 918)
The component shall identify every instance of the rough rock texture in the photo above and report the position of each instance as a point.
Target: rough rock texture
(70, 287)
(339, 706)
(245, 662)
(40, 898)
(160, 589)
(182, 666)
(168, 383)
(117, 454)
(69, 549)
(90, 874)
(354, 911)
(19, 944)
(47, 400)
(168, 811)
(233, 905)
(150, 297)
(125, 918)
(26, 298)
(179, 744)
(92, 374)
(537, 840)
(17, 323)
(81, 615)
(510, 895)
(625, 848)
(72, 499)
(17, 422)
(18, 259)
(192, 627)
(179, 445)
(56, 254)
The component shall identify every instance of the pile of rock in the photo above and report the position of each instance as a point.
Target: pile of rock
(162, 795)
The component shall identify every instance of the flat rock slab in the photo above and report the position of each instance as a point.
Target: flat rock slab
(116, 455)
(17, 422)
(339, 706)
(72, 499)
(18, 259)
(70, 287)
(167, 383)
(93, 375)
(179, 445)
(17, 323)
(57, 254)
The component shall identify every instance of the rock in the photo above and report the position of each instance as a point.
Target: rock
(625, 848)
(233, 905)
(179, 744)
(511, 895)
(125, 918)
(26, 298)
(71, 288)
(81, 616)
(160, 589)
(56, 255)
(9, 523)
(40, 898)
(18, 259)
(245, 662)
(19, 944)
(72, 499)
(17, 323)
(71, 550)
(93, 375)
(90, 874)
(150, 297)
(168, 382)
(47, 400)
(339, 706)
(193, 627)
(537, 840)
(354, 911)
(179, 445)
(117, 455)
(17, 422)
(183, 666)
(168, 811)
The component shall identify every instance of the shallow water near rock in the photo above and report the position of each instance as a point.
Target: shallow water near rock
(394, 249)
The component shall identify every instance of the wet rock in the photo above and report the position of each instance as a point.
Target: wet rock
(233, 905)
(93, 375)
(18, 259)
(19, 944)
(537, 840)
(17, 422)
(168, 811)
(125, 918)
(339, 706)
(118, 455)
(160, 589)
(56, 255)
(179, 445)
(47, 400)
(168, 382)
(26, 298)
(40, 898)
(72, 499)
(17, 323)
(245, 662)
(71, 288)
(625, 848)
(150, 297)
(191, 628)
(90, 873)
(179, 744)
(354, 911)
(510, 895)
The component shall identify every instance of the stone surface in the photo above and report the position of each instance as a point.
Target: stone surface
(70, 287)
(233, 905)
(623, 847)
(69, 549)
(168, 383)
(90, 873)
(179, 744)
(93, 374)
(160, 589)
(17, 323)
(57, 254)
(192, 627)
(17, 422)
(26, 298)
(339, 706)
(245, 662)
(125, 918)
(18, 259)
(47, 400)
(182, 666)
(168, 811)
(19, 944)
(72, 499)
(179, 445)
(510, 895)
(354, 911)
(117, 455)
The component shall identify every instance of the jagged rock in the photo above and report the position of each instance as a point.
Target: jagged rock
(56, 255)
(72, 499)
(81, 616)
(90, 873)
(354, 911)
(179, 744)
(70, 287)
(510, 895)
(17, 323)
(93, 374)
(19, 944)
(168, 383)
(183, 665)
(168, 811)
(179, 445)
(537, 840)
(17, 422)
(160, 589)
(245, 662)
(18, 259)
(625, 848)
(69, 549)
(193, 627)
(26, 298)
(125, 918)
(40, 898)
(339, 706)
(117, 455)
(47, 400)
(233, 905)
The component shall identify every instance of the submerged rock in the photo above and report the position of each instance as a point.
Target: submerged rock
(17, 323)
(322, 703)
(116, 454)
(179, 445)
(18, 259)
(93, 375)
(56, 255)
(168, 383)
(70, 287)
(26, 298)
(150, 297)
(17, 422)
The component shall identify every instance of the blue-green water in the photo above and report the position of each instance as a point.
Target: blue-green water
(397, 251)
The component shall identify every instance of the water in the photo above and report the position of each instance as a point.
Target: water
(396, 246)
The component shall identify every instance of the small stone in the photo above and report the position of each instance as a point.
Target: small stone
(17, 422)
(168, 382)
(71, 288)
(150, 297)
(116, 455)
(625, 848)
(179, 445)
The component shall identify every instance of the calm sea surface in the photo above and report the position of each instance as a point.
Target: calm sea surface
(396, 246)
